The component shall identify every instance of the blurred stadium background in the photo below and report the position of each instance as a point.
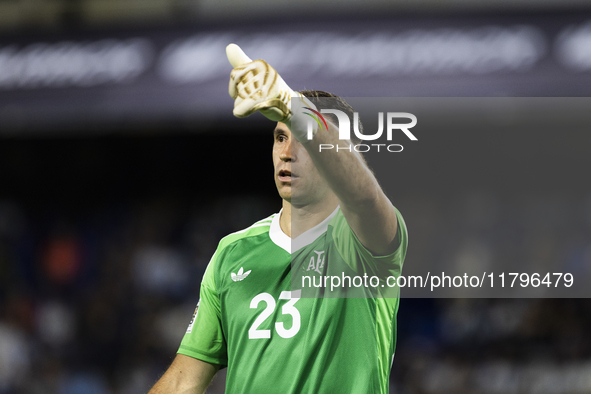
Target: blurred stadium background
(121, 167)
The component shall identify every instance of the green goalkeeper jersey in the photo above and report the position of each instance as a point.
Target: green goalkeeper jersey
(262, 314)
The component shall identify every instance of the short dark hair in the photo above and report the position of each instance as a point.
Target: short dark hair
(316, 97)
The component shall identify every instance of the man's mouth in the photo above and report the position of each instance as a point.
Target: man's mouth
(285, 176)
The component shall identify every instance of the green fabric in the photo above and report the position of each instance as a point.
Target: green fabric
(343, 344)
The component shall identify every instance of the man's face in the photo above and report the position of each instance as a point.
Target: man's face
(296, 177)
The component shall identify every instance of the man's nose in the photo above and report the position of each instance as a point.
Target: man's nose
(286, 152)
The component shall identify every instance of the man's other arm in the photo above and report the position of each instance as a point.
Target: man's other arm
(186, 375)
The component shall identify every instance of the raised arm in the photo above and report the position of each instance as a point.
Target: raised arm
(368, 211)
(186, 375)
(255, 85)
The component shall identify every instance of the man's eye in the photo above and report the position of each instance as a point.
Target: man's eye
(281, 138)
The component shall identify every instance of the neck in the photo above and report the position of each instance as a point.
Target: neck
(297, 220)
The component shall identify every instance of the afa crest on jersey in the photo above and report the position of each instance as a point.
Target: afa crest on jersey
(318, 263)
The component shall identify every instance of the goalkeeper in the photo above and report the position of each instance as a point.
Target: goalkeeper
(250, 318)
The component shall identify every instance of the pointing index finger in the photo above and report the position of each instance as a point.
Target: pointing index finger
(236, 56)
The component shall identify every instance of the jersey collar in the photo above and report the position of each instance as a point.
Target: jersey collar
(277, 235)
(290, 246)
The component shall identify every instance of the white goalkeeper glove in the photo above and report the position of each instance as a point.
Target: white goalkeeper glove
(256, 86)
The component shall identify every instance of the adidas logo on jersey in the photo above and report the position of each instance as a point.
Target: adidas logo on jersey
(240, 275)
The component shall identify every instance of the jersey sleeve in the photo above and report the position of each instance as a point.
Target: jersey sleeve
(362, 260)
(204, 339)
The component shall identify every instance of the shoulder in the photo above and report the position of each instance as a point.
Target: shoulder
(260, 227)
(346, 239)
(238, 244)
(338, 220)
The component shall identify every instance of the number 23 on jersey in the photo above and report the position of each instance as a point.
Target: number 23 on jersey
(287, 309)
